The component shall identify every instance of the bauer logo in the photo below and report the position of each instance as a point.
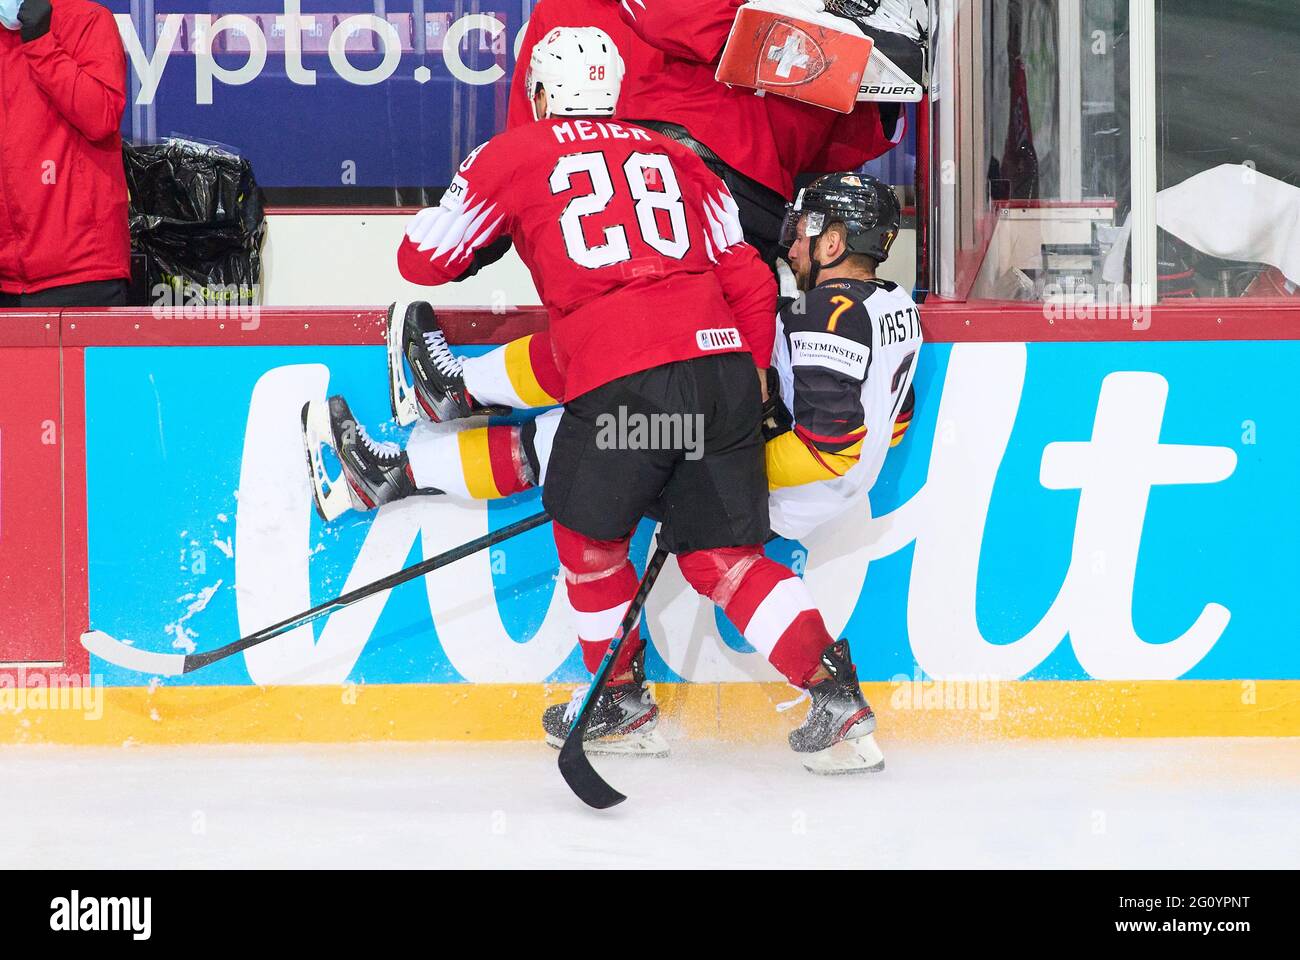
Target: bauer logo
(723, 338)
(76, 913)
(882, 90)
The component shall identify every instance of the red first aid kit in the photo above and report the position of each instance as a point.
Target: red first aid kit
(792, 51)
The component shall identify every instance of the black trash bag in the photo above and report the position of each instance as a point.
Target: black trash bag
(197, 223)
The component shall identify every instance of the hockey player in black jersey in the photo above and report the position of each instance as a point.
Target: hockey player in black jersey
(845, 356)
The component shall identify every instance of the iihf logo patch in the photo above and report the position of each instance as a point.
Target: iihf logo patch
(791, 57)
(719, 338)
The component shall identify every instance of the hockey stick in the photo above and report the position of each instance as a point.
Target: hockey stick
(174, 664)
(576, 769)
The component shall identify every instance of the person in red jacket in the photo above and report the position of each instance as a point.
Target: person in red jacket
(64, 239)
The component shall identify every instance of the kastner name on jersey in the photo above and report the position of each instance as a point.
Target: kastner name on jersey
(845, 356)
(634, 245)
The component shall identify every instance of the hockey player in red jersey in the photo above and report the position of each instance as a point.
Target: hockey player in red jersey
(613, 221)
(659, 309)
(756, 145)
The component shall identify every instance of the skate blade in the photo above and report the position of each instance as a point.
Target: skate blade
(859, 755)
(330, 495)
(401, 392)
(650, 744)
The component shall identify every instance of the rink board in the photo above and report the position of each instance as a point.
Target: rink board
(1084, 535)
(30, 504)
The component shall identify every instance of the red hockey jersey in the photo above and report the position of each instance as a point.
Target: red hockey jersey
(634, 245)
(670, 50)
(768, 139)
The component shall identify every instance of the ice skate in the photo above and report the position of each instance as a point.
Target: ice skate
(623, 723)
(373, 472)
(417, 350)
(836, 736)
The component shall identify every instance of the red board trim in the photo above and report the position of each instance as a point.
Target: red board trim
(29, 328)
(955, 322)
(280, 326)
(944, 321)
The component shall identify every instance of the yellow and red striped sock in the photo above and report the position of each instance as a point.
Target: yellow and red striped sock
(482, 463)
(521, 374)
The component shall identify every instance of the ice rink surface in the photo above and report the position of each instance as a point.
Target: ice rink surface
(1097, 803)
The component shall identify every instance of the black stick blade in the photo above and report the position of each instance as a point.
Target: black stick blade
(583, 779)
(576, 769)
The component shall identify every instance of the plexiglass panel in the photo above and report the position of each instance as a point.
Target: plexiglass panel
(1228, 160)
(1032, 151)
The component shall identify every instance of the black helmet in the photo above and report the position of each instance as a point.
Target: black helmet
(867, 208)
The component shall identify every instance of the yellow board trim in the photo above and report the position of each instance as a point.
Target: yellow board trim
(724, 711)
(519, 368)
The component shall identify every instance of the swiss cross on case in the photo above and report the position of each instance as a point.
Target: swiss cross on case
(788, 54)
(792, 56)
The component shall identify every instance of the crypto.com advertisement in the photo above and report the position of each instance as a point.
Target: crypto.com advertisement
(325, 94)
(335, 93)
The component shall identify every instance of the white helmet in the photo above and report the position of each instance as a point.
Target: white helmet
(580, 69)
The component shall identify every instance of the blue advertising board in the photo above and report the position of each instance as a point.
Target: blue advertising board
(1056, 511)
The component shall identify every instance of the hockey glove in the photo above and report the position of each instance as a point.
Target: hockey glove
(34, 16)
(776, 418)
(486, 256)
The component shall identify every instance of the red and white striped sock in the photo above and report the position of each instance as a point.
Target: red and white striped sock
(600, 581)
(766, 602)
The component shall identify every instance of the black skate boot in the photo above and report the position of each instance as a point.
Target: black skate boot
(416, 343)
(623, 722)
(836, 736)
(374, 473)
